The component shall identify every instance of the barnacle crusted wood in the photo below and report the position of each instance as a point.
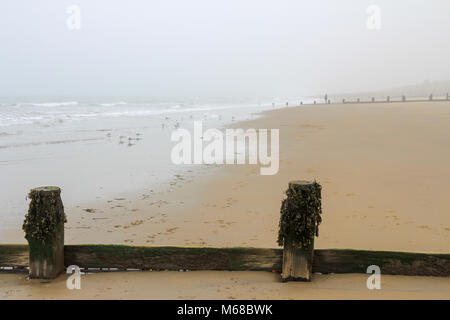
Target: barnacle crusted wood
(45, 214)
(300, 214)
(44, 230)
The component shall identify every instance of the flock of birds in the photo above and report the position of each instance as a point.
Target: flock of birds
(131, 140)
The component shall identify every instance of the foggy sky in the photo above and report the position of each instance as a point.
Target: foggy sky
(255, 48)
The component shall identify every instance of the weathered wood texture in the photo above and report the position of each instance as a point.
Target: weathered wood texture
(297, 264)
(175, 258)
(299, 224)
(390, 262)
(44, 230)
(14, 255)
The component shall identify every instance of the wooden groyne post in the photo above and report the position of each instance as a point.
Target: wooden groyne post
(299, 224)
(44, 231)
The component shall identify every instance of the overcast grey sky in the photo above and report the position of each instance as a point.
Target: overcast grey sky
(220, 47)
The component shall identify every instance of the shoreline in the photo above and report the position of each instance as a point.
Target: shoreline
(225, 206)
(209, 209)
(130, 157)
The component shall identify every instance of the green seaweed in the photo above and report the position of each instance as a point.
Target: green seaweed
(40, 250)
(45, 215)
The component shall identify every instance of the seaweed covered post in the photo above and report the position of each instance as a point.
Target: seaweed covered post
(44, 230)
(299, 224)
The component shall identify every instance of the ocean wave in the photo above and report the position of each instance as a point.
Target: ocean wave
(44, 114)
(111, 104)
(50, 104)
(145, 112)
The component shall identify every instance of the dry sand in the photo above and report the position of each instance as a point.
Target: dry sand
(221, 285)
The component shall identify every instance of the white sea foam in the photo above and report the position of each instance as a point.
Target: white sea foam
(112, 104)
(50, 104)
(48, 113)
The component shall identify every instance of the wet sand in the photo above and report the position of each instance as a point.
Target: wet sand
(221, 285)
(94, 156)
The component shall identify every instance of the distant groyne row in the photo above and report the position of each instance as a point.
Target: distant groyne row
(387, 99)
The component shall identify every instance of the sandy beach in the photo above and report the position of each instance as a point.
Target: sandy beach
(385, 176)
(207, 285)
(383, 167)
(225, 150)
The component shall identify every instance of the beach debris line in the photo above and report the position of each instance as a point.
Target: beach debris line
(44, 231)
(300, 216)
